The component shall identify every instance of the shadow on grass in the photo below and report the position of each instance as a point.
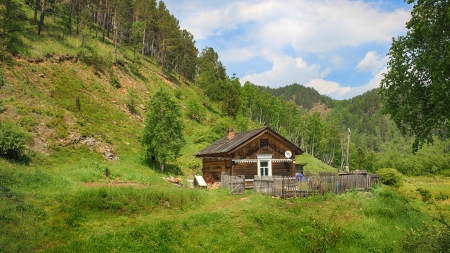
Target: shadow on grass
(170, 75)
(169, 169)
(19, 160)
(17, 46)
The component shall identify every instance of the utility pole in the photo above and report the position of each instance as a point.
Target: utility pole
(348, 149)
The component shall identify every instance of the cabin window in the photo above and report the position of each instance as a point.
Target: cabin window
(264, 168)
(263, 143)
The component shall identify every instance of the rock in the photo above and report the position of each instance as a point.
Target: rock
(90, 142)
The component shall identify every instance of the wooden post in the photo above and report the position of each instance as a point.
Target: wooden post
(77, 102)
(348, 150)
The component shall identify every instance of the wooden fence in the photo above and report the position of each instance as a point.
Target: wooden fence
(311, 184)
(235, 184)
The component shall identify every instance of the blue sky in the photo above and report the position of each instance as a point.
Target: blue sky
(338, 47)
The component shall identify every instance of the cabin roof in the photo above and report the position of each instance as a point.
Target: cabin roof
(226, 146)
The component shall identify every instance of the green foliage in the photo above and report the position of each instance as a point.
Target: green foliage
(27, 122)
(211, 74)
(360, 158)
(232, 97)
(178, 93)
(429, 238)
(303, 96)
(131, 99)
(114, 80)
(162, 136)
(12, 17)
(426, 194)
(58, 122)
(195, 111)
(414, 89)
(2, 81)
(12, 141)
(391, 177)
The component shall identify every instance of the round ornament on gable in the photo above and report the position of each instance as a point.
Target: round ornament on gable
(287, 154)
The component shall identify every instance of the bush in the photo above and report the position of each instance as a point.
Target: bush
(12, 141)
(391, 177)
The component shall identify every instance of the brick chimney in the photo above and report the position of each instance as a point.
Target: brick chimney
(231, 133)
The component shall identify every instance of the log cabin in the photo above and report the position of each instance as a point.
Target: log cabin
(261, 152)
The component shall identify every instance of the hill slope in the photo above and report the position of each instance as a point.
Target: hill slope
(305, 97)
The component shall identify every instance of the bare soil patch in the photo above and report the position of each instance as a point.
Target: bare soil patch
(114, 183)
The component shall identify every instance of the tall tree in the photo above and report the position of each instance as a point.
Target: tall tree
(169, 37)
(162, 137)
(42, 16)
(415, 91)
(188, 64)
(232, 97)
(211, 74)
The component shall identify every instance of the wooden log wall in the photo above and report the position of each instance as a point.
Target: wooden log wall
(247, 169)
(283, 169)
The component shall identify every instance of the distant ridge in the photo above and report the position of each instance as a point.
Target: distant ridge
(305, 97)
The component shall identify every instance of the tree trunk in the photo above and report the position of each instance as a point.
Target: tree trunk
(97, 22)
(161, 166)
(37, 7)
(348, 151)
(143, 44)
(71, 15)
(115, 38)
(41, 20)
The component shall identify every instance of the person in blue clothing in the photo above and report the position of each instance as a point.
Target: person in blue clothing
(299, 177)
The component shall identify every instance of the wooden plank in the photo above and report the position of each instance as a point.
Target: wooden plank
(198, 180)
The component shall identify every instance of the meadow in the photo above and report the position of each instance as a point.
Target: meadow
(95, 206)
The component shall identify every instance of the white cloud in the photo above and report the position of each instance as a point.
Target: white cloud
(286, 70)
(372, 63)
(328, 88)
(236, 54)
(349, 92)
(312, 26)
(242, 30)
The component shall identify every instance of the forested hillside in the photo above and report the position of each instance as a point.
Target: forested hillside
(122, 42)
(305, 97)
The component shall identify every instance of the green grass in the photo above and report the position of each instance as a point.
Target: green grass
(74, 206)
(313, 164)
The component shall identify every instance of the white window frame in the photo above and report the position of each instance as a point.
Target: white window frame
(265, 158)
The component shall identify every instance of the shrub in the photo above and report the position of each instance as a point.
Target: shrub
(426, 194)
(12, 141)
(194, 111)
(391, 177)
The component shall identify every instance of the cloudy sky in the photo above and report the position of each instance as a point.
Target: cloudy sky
(338, 47)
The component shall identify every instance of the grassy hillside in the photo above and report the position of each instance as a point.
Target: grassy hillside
(83, 185)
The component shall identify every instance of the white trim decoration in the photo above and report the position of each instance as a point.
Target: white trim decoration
(282, 160)
(245, 160)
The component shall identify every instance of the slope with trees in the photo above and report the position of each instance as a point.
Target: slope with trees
(303, 96)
